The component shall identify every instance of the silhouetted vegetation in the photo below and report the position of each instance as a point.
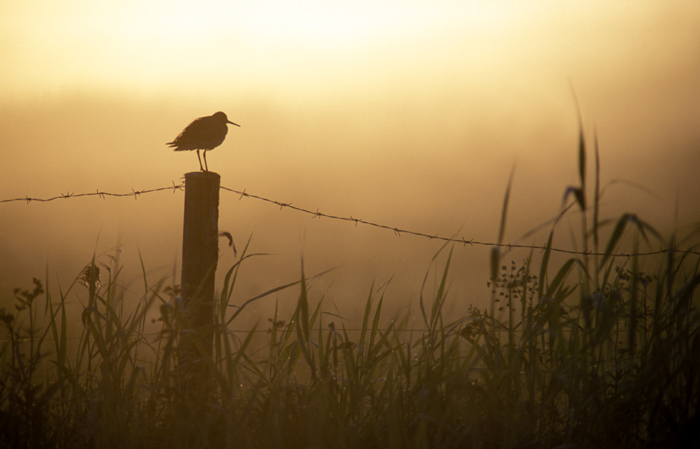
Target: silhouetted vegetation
(592, 353)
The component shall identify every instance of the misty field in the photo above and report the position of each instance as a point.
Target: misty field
(592, 352)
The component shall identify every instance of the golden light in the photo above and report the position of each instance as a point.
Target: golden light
(405, 112)
(156, 44)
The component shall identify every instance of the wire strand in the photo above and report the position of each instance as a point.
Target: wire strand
(318, 214)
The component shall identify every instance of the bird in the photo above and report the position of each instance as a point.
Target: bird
(204, 133)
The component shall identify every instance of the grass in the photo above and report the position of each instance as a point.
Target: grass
(594, 352)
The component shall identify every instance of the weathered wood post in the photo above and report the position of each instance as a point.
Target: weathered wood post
(200, 250)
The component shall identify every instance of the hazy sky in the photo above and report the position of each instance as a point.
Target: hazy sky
(405, 113)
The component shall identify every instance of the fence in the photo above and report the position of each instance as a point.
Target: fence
(203, 213)
(357, 221)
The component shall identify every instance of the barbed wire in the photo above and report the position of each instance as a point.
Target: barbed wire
(461, 240)
(318, 214)
(103, 195)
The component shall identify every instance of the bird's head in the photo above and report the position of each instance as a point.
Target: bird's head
(220, 116)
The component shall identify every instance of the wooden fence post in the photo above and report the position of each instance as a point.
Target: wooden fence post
(200, 251)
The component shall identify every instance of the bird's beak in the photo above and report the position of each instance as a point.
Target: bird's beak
(228, 121)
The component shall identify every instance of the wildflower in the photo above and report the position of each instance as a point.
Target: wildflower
(597, 300)
(90, 276)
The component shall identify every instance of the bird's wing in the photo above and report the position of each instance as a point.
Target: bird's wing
(189, 138)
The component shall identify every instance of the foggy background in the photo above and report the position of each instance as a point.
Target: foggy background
(406, 114)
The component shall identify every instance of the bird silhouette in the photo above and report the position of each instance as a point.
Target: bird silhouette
(205, 133)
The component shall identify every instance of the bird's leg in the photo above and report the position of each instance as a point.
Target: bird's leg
(206, 167)
(200, 160)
